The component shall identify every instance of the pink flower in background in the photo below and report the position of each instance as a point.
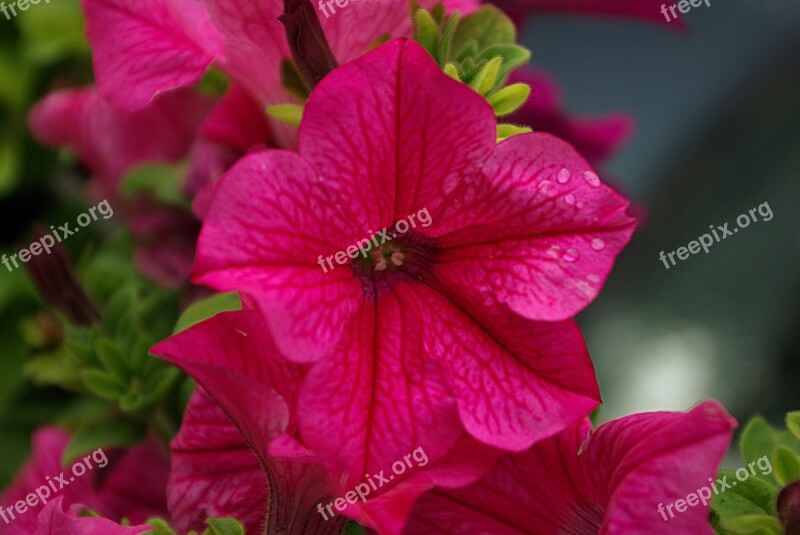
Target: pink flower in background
(145, 48)
(53, 520)
(443, 338)
(610, 481)
(240, 452)
(132, 485)
(595, 138)
(649, 10)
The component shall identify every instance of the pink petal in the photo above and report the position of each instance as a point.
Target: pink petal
(378, 131)
(54, 521)
(110, 141)
(281, 217)
(140, 49)
(516, 381)
(611, 483)
(234, 359)
(381, 390)
(540, 235)
(237, 122)
(215, 472)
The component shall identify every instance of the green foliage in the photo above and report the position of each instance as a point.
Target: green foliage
(479, 50)
(162, 182)
(206, 308)
(216, 526)
(771, 458)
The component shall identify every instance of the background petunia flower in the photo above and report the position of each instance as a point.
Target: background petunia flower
(649, 10)
(131, 486)
(609, 481)
(442, 339)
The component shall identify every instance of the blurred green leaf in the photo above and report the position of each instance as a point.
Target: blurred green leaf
(110, 433)
(751, 496)
(786, 465)
(103, 385)
(206, 308)
(163, 182)
(793, 423)
(225, 526)
(487, 26)
(53, 30)
(751, 525)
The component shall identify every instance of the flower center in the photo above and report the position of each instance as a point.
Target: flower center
(405, 257)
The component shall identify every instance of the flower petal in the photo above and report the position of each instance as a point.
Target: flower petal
(539, 235)
(140, 49)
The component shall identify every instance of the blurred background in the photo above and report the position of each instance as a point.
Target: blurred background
(717, 109)
(718, 133)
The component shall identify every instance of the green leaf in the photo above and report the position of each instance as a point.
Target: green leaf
(292, 81)
(452, 71)
(793, 423)
(751, 525)
(485, 80)
(505, 131)
(751, 496)
(508, 99)
(445, 44)
(103, 385)
(786, 465)
(113, 359)
(354, 528)
(487, 26)
(290, 114)
(51, 31)
(426, 31)
(160, 527)
(758, 439)
(163, 182)
(512, 55)
(116, 433)
(52, 369)
(225, 526)
(206, 308)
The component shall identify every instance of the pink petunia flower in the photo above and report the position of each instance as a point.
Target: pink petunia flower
(145, 48)
(129, 484)
(460, 322)
(615, 480)
(53, 520)
(239, 452)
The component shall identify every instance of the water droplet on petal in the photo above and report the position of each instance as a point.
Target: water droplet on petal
(579, 205)
(592, 178)
(598, 244)
(564, 175)
(593, 278)
(569, 198)
(553, 251)
(570, 255)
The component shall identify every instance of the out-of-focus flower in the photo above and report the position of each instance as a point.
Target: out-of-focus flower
(649, 10)
(610, 481)
(132, 485)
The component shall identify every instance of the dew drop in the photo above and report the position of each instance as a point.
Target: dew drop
(579, 205)
(570, 255)
(592, 178)
(553, 251)
(564, 175)
(569, 198)
(593, 278)
(598, 244)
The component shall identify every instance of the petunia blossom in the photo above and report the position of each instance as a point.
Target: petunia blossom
(129, 484)
(239, 452)
(459, 323)
(623, 478)
(145, 48)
